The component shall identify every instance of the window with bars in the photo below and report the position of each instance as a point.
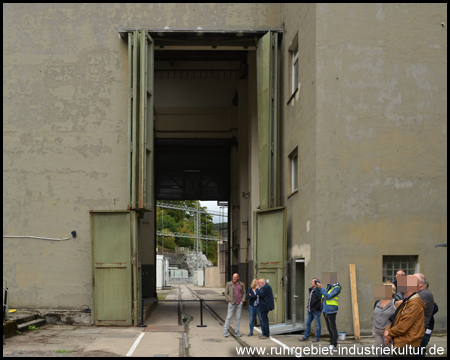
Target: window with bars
(392, 264)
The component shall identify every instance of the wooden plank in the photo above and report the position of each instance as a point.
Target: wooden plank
(354, 302)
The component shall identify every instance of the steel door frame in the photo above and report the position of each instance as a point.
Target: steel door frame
(292, 278)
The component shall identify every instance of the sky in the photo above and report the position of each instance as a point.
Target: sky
(212, 205)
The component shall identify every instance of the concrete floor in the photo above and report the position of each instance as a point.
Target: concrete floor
(165, 335)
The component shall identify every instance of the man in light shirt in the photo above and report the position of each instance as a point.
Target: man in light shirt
(235, 296)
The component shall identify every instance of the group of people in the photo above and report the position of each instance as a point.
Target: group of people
(323, 300)
(260, 297)
(403, 320)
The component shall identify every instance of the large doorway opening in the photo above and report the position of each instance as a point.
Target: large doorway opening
(200, 112)
(202, 126)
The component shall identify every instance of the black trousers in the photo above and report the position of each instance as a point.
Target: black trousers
(330, 320)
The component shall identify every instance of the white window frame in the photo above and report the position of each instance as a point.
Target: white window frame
(293, 163)
(294, 70)
(293, 58)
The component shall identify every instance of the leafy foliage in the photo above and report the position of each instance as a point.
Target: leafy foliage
(170, 221)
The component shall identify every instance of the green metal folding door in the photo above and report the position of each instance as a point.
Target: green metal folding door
(266, 64)
(140, 120)
(269, 254)
(141, 143)
(111, 267)
(269, 247)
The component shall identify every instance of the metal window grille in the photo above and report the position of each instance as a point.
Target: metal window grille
(392, 264)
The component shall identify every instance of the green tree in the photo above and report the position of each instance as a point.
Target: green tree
(166, 243)
(182, 221)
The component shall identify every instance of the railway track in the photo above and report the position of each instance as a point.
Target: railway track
(219, 319)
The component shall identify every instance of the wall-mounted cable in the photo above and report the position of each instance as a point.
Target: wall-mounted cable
(34, 237)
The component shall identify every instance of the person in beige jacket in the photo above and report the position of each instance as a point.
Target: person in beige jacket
(235, 296)
(408, 328)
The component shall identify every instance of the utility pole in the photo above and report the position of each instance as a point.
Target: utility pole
(198, 236)
(197, 233)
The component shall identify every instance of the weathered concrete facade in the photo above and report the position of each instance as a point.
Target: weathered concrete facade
(368, 123)
(371, 130)
(65, 129)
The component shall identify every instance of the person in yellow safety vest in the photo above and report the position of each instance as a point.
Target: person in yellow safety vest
(330, 308)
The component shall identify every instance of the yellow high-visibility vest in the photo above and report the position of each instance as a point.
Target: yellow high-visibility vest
(332, 301)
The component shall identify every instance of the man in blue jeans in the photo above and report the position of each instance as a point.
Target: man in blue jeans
(313, 312)
(266, 304)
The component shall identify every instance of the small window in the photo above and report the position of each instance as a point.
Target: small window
(295, 70)
(294, 169)
(391, 264)
(293, 52)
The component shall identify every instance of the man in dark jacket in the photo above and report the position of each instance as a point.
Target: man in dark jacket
(313, 312)
(266, 304)
(427, 296)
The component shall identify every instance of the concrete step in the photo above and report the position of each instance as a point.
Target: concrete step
(21, 318)
(37, 323)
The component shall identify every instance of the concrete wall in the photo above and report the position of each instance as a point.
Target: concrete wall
(213, 277)
(297, 129)
(381, 143)
(369, 121)
(372, 173)
(65, 130)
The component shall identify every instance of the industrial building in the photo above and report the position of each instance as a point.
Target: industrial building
(324, 127)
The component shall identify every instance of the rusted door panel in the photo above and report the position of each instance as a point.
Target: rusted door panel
(111, 268)
(269, 253)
